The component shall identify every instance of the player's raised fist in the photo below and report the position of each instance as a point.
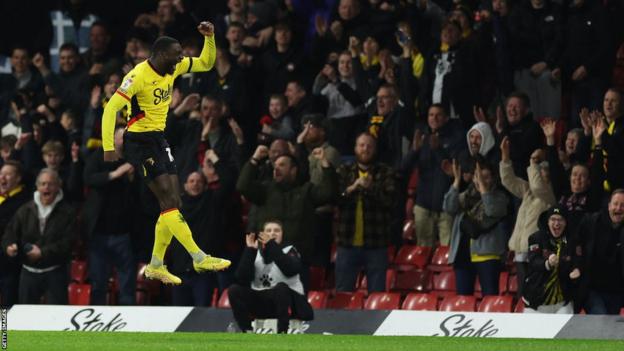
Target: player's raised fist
(206, 28)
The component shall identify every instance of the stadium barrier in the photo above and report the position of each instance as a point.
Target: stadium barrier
(366, 322)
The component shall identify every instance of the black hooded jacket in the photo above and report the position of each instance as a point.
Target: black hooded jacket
(541, 245)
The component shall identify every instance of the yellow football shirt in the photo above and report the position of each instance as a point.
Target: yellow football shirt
(147, 94)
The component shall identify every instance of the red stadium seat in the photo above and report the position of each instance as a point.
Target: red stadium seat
(224, 300)
(444, 284)
(391, 253)
(519, 307)
(382, 301)
(496, 304)
(78, 271)
(318, 299)
(363, 283)
(420, 302)
(439, 261)
(409, 233)
(317, 278)
(79, 294)
(411, 281)
(512, 285)
(412, 257)
(346, 300)
(459, 303)
(503, 283)
(409, 208)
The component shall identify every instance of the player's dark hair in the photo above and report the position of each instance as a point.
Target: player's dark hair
(162, 44)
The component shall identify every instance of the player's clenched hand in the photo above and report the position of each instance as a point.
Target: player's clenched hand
(206, 29)
(110, 156)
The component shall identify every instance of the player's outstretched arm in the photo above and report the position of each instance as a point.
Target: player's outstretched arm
(116, 103)
(208, 55)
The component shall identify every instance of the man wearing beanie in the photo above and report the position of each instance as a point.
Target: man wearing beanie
(553, 269)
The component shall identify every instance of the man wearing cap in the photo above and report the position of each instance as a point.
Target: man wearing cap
(554, 266)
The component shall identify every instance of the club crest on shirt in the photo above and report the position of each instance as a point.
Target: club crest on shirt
(125, 85)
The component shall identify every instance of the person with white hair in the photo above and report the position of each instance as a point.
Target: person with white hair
(43, 232)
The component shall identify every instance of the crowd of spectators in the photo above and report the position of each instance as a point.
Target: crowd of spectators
(315, 116)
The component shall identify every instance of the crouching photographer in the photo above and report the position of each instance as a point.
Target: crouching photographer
(269, 281)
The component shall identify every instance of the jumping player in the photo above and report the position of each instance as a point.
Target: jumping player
(147, 91)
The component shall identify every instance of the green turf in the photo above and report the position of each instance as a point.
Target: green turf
(69, 341)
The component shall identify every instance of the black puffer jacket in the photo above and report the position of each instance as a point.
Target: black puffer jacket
(541, 245)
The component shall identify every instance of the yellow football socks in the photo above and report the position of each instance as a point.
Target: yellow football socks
(161, 242)
(175, 222)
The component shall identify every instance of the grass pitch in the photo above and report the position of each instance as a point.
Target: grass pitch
(91, 341)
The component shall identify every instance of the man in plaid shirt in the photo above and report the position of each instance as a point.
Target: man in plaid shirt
(368, 192)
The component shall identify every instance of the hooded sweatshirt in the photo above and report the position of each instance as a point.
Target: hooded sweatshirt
(487, 137)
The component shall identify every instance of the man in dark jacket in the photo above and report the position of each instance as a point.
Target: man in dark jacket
(524, 133)
(585, 58)
(602, 236)
(43, 231)
(390, 123)
(553, 269)
(537, 40)
(281, 63)
(612, 139)
(432, 150)
(72, 81)
(113, 190)
(12, 196)
(270, 283)
(449, 77)
(286, 199)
